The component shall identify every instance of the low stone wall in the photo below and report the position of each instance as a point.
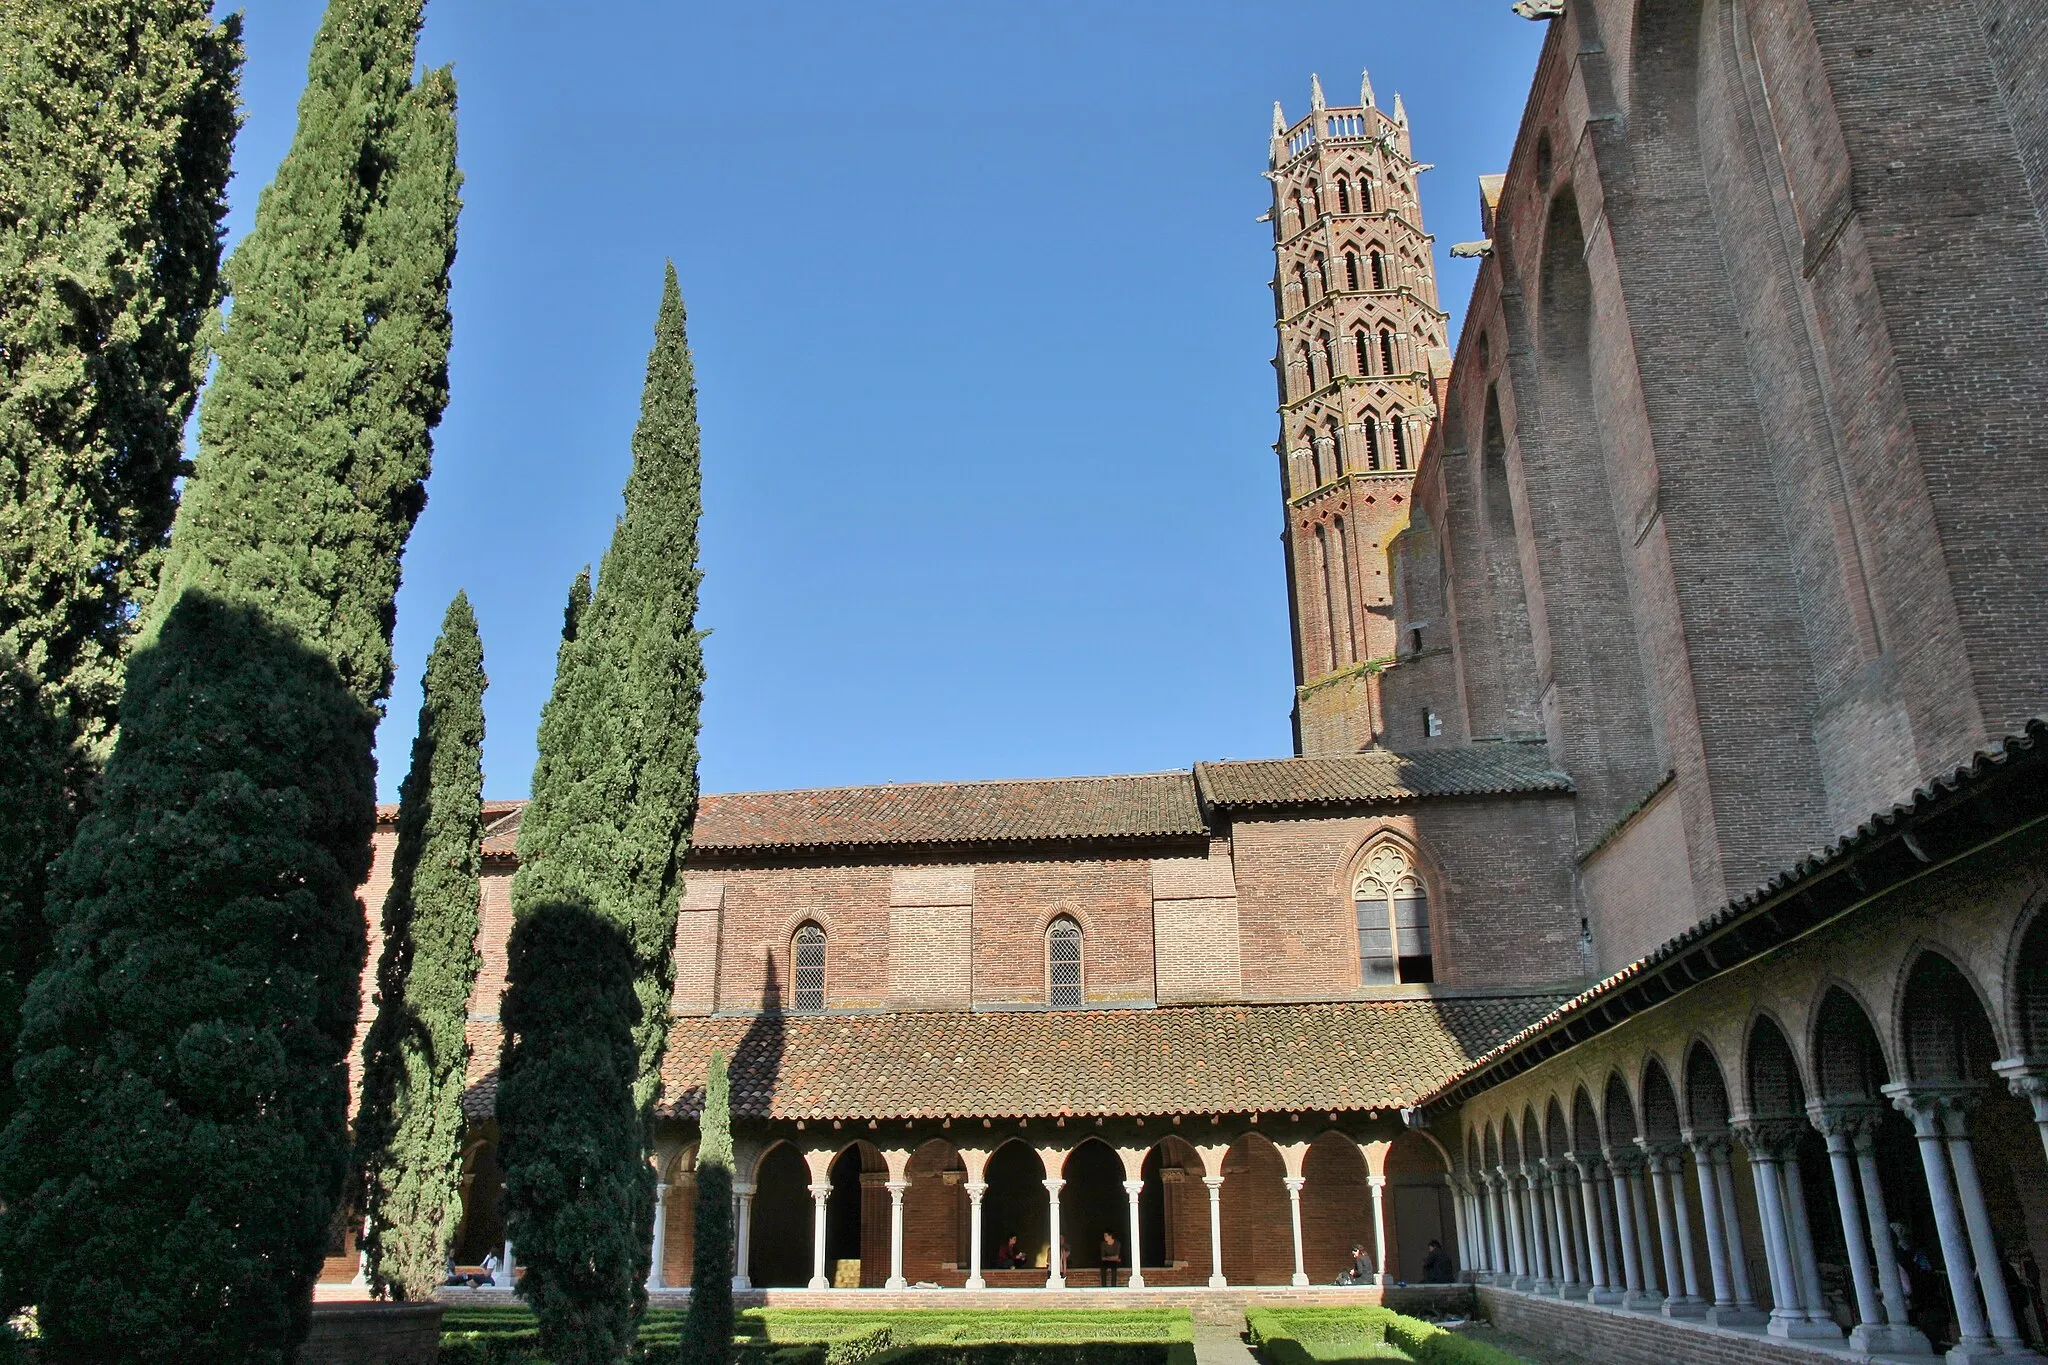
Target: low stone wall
(1615, 1336)
(374, 1334)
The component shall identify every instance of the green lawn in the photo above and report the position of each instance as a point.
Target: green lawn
(1323, 1336)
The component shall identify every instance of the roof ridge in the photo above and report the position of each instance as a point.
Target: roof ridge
(954, 784)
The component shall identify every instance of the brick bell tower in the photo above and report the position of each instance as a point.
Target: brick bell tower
(1362, 355)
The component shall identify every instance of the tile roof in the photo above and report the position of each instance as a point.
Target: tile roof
(1491, 768)
(1146, 806)
(2011, 776)
(1351, 1055)
(501, 833)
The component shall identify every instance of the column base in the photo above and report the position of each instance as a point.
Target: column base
(819, 1282)
(976, 1282)
(1218, 1282)
(1610, 1298)
(1894, 1339)
(895, 1282)
(741, 1284)
(1722, 1315)
(1055, 1282)
(1685, 1307)
(1642, 1301)
(1298, 1280)
(1972, 1351)
(1136, 1281)
(1575, 1291)
(1545, 1288)
(1522, 1283)
(1801, 1327)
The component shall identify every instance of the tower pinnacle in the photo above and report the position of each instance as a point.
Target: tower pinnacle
(1315, 92)
(1365, 96)
(1279, 121)
(1400, 110)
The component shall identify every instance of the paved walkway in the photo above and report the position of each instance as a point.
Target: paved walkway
(1220, 1346)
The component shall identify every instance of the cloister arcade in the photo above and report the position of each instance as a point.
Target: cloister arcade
(1844, 1136)
(1273, 1207)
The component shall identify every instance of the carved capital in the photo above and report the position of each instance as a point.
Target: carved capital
(1769, 1139)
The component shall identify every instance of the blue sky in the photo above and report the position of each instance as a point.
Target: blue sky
(983, 350)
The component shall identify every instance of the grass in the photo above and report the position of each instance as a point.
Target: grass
(1326, 1336)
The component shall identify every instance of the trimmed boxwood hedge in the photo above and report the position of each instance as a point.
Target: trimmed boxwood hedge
(1330, 1336)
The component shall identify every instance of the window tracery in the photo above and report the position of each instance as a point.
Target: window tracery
(1393, 920)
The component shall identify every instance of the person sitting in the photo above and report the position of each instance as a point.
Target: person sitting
(1436, 1265)
(1009, 1256)
(1359, 1270)
(1111, 1257)
(490, 1271)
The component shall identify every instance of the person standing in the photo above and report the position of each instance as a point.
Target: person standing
(1111, 1257)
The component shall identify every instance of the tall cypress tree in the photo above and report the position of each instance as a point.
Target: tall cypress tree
(117, 118)
(614, 796)
(415, 1059)
(183, 1113)
(707, 1332)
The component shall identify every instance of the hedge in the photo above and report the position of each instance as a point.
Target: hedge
(1329, 1336)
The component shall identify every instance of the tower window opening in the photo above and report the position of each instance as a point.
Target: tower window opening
(1372, 444)
(1361, 346)
(1400, 425)
(1343, 195)
(1432, 725)
(1415, 640)
(1300, 285)
(1379, 271)
(1315, 456)
(1386, 350)
(1365, 194)
(1315, 203)
(1336, 448)
(1063, 965)
(1351, 271)
(809, 977)
(1308, 372)
(1393, 921)
(1300, 219)
(1329, 350)
(1322, 275)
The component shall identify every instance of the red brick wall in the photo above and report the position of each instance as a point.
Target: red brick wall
(1111, 899)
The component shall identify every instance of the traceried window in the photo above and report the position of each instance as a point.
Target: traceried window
(1393, 921)
(1063, 965)
(810, 969)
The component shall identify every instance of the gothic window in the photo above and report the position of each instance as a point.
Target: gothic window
(1299, 218)
(1308, 372)
(810, 969)
(1379, 270)
(1322, 275)
(1344, 198)
(1315, 455)
(1365, 195)
(1361, 345)
(1351, 270)
(1336, 448)
(1300, 285)
(1372, 443)
(1386, 350)
(1393, 921)
(1329, 357)
(1063, 964)
(1400, 425)
(1315, 202)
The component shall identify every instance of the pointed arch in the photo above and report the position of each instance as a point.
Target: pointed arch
(1847, 1056)
(1945, 1030)
(1660, 1105)
(1391, 897)
(1618, 1112)
(1771, 1071)
(807, 950)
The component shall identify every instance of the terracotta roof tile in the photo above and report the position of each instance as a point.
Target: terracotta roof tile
(1146, 806)
(1353, 1055)
(1492, 768)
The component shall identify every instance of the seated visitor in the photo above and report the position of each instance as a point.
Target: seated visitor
(1359, 1270)
(1436, 1265)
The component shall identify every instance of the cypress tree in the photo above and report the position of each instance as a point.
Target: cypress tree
(415, 1059)
(707, 1332)
(183, 1110)
(614, 796)
(117, 118)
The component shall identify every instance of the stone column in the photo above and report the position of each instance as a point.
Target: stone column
(1838, 1123)
(1134, 1188)
(1055, 1264)
(1624, 1218)
(1461, 1215)
(821, 1195)
(1907, 1338)
(1710, 1210)
(1561, 1221)
(660, 1242)
(1646, 1239)
(1294, 1184)
(1681, 1277)
(1977, 1219)
(1511, 1216)
(743, 1236)
(508, 1270)
(1731, 1223)
(1590, 1186)
(975, 1190)
(896, 1189)
(1215, 1184)
(1378, 1185)
(1810, 1295)
(1496, 1230)
(1924, 1108)
(1537, 1220)
(1770, 1143)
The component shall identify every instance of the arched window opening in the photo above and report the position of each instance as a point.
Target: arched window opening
(1379, 270)
(1299, 217)
(1063, 965)
(1344, 642)
(1300, 285)
(810, 969)
(1365, 194)
(1315, 456)
(1386, 350)
(1393, 921)
(1308, 373)
(1373, 459)
(1361, 345)
(1315, 203)
(1336, 431)
(1400, 426)
(1351, 270)
(1322, 275)
(1343, 195)
(1329, 349)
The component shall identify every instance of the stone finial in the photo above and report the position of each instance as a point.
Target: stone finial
(1400, 111)
(1315, 92)
(1365, 95)
(1279, 121)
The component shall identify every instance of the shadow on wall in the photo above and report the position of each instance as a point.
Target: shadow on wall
(755, 1064)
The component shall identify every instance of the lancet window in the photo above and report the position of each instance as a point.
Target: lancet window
(810, 969)
(1393, 920)
(1063, 986)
